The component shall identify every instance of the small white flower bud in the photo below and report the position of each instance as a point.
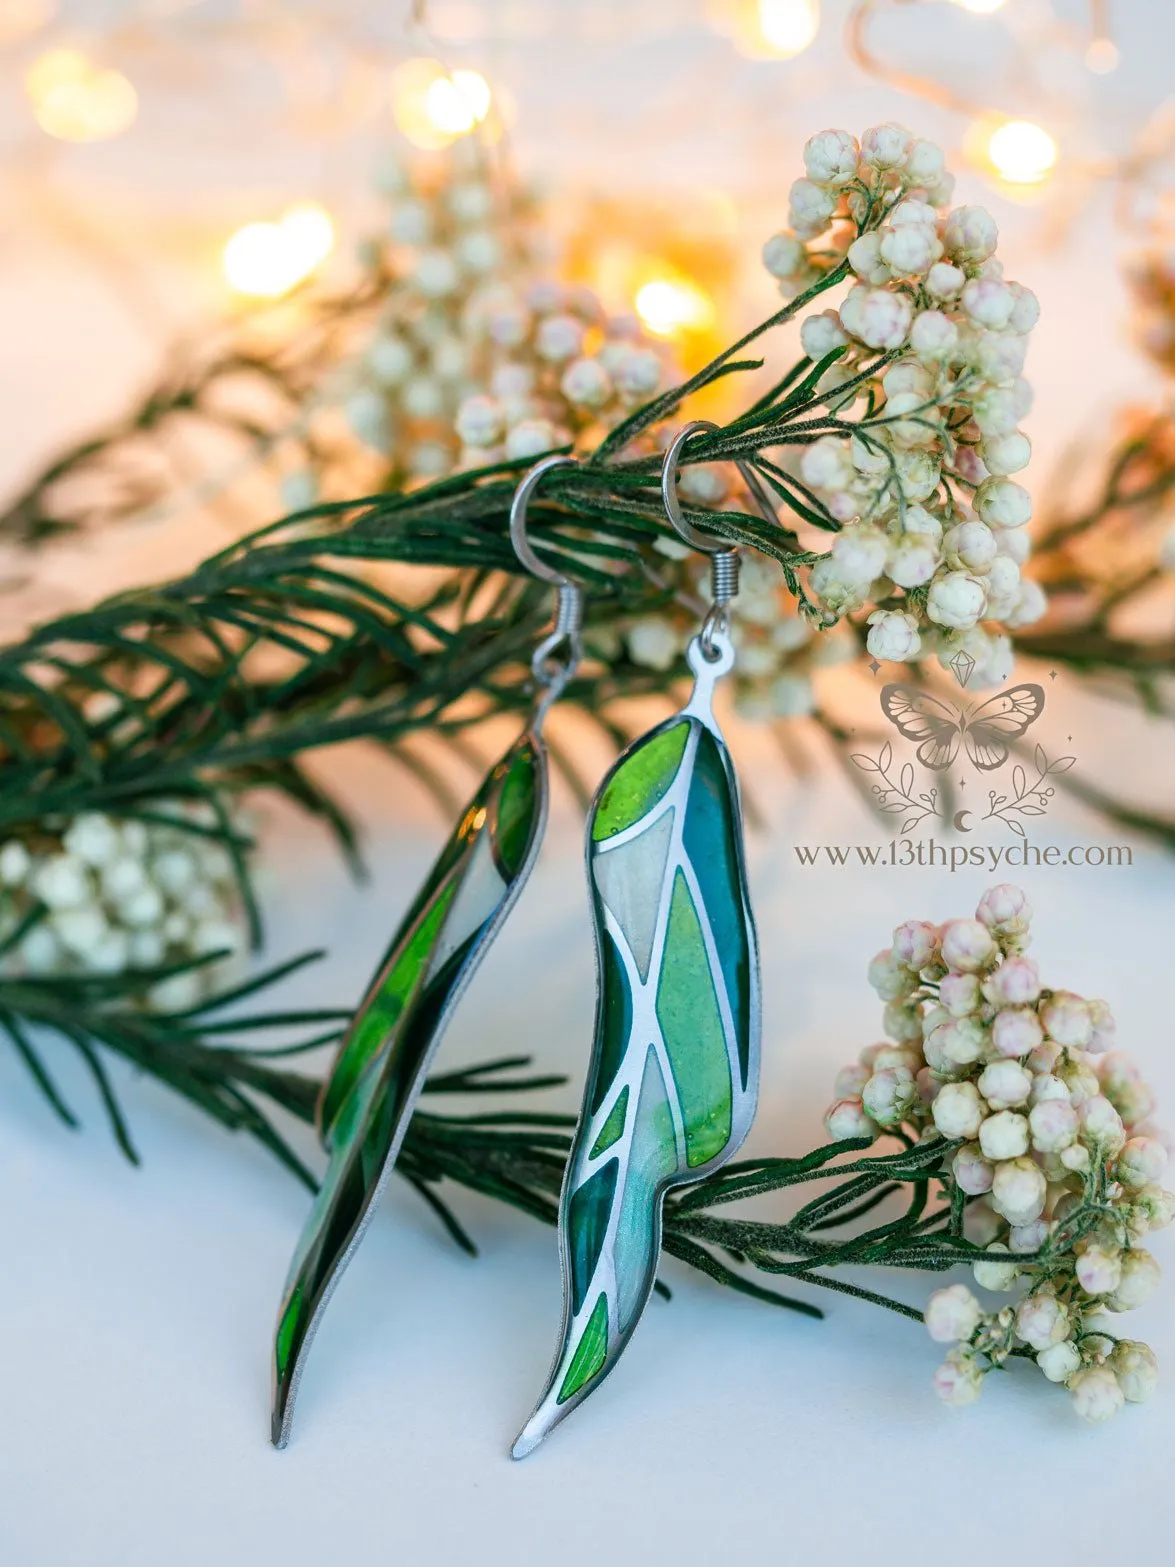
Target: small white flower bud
(784, 255)
(994, 1275)
(1136, 1369)
(1026, 1239)
(1030, 606)
(889, 1095)
(559, 338)
(970, 234)
(825, 464)
(1004, 454)
(958, 1381)
(1141, 1163)
(909, 249)
(915, 944)
(1015, 1031)
(530, 438)
(653, 643)
(480, 421)
(858, 553)
(1005, 1084)
(1098, 1269)
(893, 636)
(911, 562)
(956, 600)
(820, 334)
(1054, 1124)
(92, 838)
(80, 928)
(1059, 1361)
(1015, 983)
(1140, 1279)
(390, 360)
(1096, 1394)
(850, 1080)
(1018, 1190)
(966, 945)
(1025, 308)
(848, 1118)
(999, 357)
(969, 546)
(933, 335)
(879, 318)
(1041, 1320)
(973, 1173)
(958, 1111)
(62, 882)
(830, 157)
(15, 863)
(639, 373)
(959, 993)
(435, 274)
(1002, 503)
(885, 146)
(809, 206)
(988, 303)
(1004, 1136)
(924, 162)
(945, 281)
(952, 1314)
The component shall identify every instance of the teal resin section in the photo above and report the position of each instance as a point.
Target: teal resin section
(381, 1063)
(671, 1090)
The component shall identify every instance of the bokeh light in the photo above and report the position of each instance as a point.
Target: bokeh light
(266, 260)
(434, 107)
(670, 306)
(1021, 152)
(75, 99)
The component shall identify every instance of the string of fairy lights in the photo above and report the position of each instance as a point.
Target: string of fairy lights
(79, 93)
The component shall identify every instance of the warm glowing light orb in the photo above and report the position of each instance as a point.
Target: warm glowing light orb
(433, 106)
(670, 306)
(267, 260)
(74, 99)
(980, 7)
(788, 26)
(1021, 153)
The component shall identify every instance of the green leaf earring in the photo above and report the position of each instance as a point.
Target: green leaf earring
(671, 1089)
(379, 1071)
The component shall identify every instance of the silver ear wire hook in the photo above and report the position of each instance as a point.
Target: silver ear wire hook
(724, 558)
(550, 672)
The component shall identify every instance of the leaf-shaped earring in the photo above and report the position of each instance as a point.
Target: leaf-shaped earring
(671, 1089)
(379, 1071)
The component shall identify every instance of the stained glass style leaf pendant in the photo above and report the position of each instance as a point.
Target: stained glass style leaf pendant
(379, 1070)
(671, 1089)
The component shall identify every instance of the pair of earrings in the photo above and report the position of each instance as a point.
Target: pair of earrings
(671, 1087)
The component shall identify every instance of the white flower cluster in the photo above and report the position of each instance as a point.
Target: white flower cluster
(932, 521)
(474, 357)
(779, 651)
(1055, 1160)
(123, 895)
(554, 369)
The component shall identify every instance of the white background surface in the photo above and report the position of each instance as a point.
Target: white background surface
(137, 1306)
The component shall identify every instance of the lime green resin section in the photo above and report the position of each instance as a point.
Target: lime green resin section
(691, 1026)
(590, 1352)
(641, 778)
(381, 1063)
(613, 1127)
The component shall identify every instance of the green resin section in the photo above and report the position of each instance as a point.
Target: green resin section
(641, 778)
(588, 1359)
(613, 1127)
(381, 1063)
(652, 1163)
(691, 1025)
(613, 1018)
(381, 1011)
(591, 1208)
(710, 840)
